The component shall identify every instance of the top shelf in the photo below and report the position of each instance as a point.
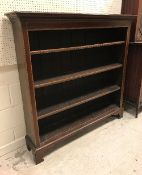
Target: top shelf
(76, 48)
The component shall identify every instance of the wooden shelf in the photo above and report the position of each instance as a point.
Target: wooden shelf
(78, 125)
(76, 101)
(73, 76)
(76, 48)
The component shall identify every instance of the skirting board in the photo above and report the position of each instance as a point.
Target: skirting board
(12, 146)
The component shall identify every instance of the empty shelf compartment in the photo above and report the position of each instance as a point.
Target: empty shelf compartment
(71, 121)
(53, 39)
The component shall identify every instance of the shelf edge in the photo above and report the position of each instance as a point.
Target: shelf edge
(76, 75)
(78, 101)
(46, 51)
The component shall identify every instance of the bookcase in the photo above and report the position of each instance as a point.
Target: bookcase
(134, 7)
(133, 86)
(72, 73)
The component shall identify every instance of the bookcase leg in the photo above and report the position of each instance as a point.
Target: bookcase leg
(28, 147)
(119, 116)
(137, 111)
(28, 144)
(38, 157)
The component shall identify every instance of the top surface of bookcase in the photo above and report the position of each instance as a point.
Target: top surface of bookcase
(40, 21)
(67, 15)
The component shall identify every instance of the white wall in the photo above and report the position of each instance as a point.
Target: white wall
(12, 125)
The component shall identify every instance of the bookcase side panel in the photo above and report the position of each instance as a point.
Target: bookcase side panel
(24, 80)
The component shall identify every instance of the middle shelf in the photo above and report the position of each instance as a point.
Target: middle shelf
(76, 101)
(76, 75)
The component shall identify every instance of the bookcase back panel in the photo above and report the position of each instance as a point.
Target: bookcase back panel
(49, 39)
(52, 95)
(58, 121)
(57, 64)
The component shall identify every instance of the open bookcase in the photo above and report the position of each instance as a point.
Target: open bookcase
(72, 70)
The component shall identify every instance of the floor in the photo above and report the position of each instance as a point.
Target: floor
(115, 148)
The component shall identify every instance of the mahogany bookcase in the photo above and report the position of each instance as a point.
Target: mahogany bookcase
(72, 72)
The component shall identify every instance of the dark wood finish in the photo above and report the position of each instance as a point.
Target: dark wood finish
(130, 7)
(72, 72)
(76, 101)
(24, 68)
(134, 72)
(73, 76)
(134, 76)
(134, 7)
(75, 48)
(79, 124)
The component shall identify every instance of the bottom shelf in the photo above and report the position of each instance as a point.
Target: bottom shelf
(71, 128)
